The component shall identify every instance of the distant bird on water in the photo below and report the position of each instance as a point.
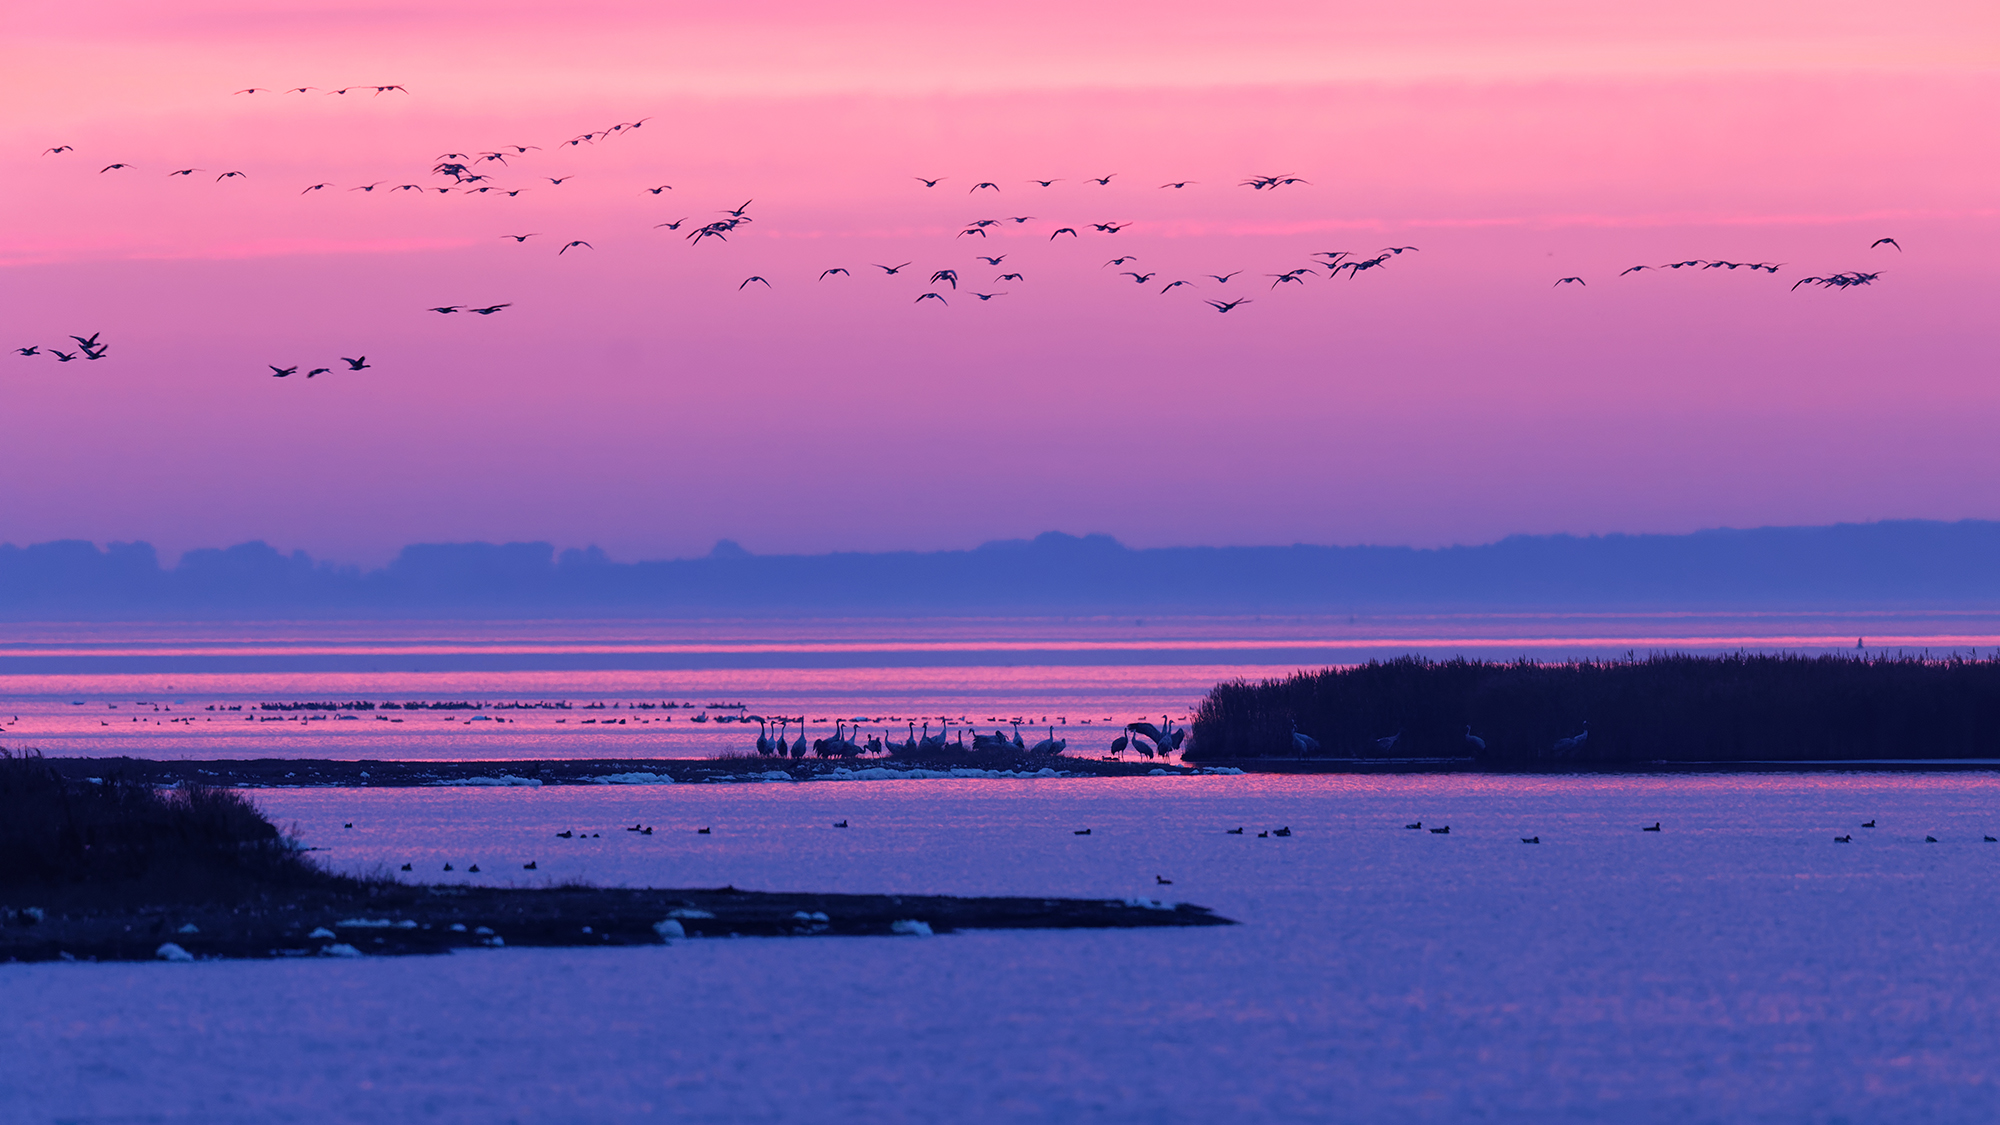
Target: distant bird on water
(1473, 740)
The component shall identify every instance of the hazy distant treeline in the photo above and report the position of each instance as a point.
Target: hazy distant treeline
(1661, 709)
(1899, 564)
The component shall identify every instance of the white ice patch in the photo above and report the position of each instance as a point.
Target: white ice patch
(669, 928)
(886, 773)
(1148, 904)
(1221, 769)
(503, 779)
(190, 928)
(633, 779)
(910, 926)
(688, 912)
(815, 916)
(340, 949)
(321, 932)
(168, 951)
(374, 924)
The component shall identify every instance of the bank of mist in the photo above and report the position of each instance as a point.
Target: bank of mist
(1907, 565)
(1667, 708)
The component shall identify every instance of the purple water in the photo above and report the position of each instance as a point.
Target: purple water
(1738, 966)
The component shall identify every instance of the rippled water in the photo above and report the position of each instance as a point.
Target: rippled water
(1737, 966)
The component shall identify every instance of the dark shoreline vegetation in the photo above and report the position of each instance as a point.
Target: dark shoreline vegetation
(119, 869)
(1660, 710)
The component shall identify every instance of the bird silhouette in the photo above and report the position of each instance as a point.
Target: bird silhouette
(489, 310)
(1176, 285)
(1121, 260)
(58, 149)
(358, 363)
(232, 175)
(558, 180)
(316, 187)
(760, 280)
(930, 183)
(1138, 278)
(281, 372)
(109, 167)
(30, 350)
(1110, 228)
(983, 184)
(948, 276)
(445, 309)
(1179, 184)
(988, 296)
(65, 357)
(185, 172)
(932, 297)
(1890, 241)
(991, 261)
(1223, 278)
(890, 271)
(1046, 183)
(1567, 280)
(1071, 231)
(89, 342)
(1101, 181)
(369, 187)
(522, 237)
(1225, 306)
(1008, 277)
(1395, 249)
(836, 269)
(574, 242)
(254, 90)
(1634, 269)
(319, 371)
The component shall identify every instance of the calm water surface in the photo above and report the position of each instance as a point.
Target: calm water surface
(1738, 966)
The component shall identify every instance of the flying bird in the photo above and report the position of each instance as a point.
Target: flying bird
(281, 372)
(675, 225)
(1138, 278)
(62, 357)
(316, 187)
(988, 296)
(357, 364)
(1634, 269)
(109, 167)
(1176, 284)
(836, 269)
(950, 276)
(1101, 181)
(1179, 184)
(980, 231)
(489, 310)
(88, 343)
(1395, 249)
(1223, 278)
(300, 89)
(522, 237)
(1071, 231)
(574, 242)
(445, 309)
(369, 187)
(658, 190)
(1567, 280)
(1890, 241)
(30, 350)
(983, 184)
(929, 183)
(1225, 306)
(380, 90)
(1008, 277)
(889, 270)
(254, 90)
(991, 261)
(738, 211)
(186, 171)
(1020, 218)
(557, 180)
(1046, 183)
(1121, 260)
(227, 175)
(318, 371)
(1111, 228)
(748, 280)
(932, 297)
(57, 149)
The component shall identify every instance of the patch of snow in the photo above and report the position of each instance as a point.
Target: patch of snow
(190, 928)
(483, 930)
(168, 951)
(495, 941)
(1148, 904)
(910, 926)
(321, 932)
(503, 779)
(1159, 773)
(669, 928)
(633, 779)
(340, 949)
(458, 927)
(688, 912)
(1221, 769)
(364, 924)
(815, 916)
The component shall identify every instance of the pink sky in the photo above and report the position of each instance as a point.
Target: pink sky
(634, 397)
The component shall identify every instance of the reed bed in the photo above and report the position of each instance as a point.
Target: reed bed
(1659, 708)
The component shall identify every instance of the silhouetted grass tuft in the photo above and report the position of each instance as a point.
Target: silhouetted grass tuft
(1663, 708)
(126, 839)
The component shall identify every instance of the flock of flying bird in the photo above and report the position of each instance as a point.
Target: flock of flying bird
(474, 174)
